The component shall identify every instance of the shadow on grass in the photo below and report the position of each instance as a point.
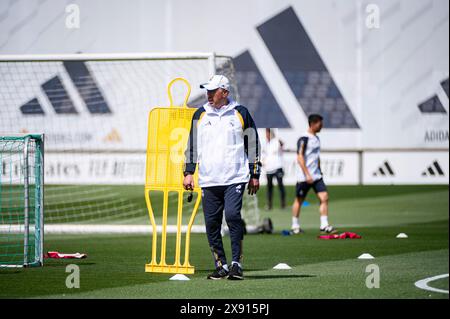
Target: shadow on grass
(209, 270)
(278, 276)
(67, 262)
(10, 272)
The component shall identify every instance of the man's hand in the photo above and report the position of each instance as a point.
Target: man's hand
(309, 179)
(253, 186)
(188, 182)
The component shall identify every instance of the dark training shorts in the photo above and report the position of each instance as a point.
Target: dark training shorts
(302, 189)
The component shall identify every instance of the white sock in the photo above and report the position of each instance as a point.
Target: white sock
(323, 221)
(225, 267)
(295, 222)
(235, 262)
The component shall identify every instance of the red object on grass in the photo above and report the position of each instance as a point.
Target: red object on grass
(341, 236)
(55, 254)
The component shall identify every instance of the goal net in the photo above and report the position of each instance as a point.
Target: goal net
(93, 109)
(21, 201)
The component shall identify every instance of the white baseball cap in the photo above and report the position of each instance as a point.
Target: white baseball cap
(215, 82)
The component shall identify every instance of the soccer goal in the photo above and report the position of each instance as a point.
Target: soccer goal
(93, 109)
(21, 200)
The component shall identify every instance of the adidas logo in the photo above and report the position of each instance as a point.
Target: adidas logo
(113, 136)
(309, 79)
(384, 170)
(433, 170)
(434, 104)
(59, 98)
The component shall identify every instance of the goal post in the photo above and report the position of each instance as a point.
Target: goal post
(92, 109)
(21, 200)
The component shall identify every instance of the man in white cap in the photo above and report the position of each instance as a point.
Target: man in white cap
(223, 141)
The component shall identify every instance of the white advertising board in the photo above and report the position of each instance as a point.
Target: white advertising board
(406, 168)
(110, 169)
(338, 168)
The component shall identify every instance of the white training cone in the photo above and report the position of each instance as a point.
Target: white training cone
(282, 266)
(179, 277)
(366, 256)
(402, 235)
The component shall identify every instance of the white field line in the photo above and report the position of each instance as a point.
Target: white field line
(423, 284)
(108, 229)
(11, 266)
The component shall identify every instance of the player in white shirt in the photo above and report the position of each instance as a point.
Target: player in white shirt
(310, 176)
(272, 160)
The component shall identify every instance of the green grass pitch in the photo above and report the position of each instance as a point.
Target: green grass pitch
(320, 268)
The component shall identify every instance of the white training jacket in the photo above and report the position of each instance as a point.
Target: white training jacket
(225, 145)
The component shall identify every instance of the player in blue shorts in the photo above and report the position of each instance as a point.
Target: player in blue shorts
(310, 176)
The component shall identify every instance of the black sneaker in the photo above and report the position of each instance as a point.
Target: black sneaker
(219, 273)
(296, 231)
(235, 273)
(328, 230)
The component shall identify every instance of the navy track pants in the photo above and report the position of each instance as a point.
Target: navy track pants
(216, 200)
